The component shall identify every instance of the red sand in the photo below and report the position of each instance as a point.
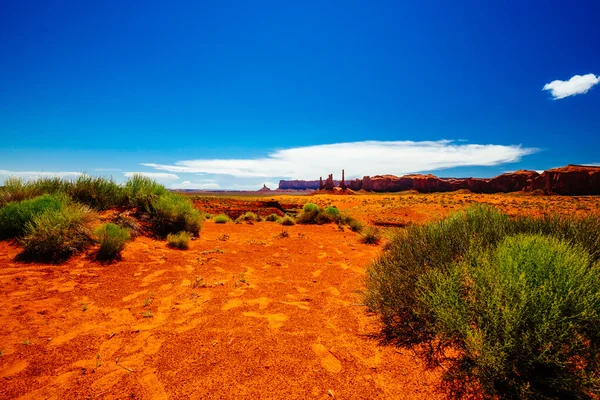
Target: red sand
(241, 314)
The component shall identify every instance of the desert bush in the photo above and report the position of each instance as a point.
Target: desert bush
(48, 185)
(523, 317)
(354, 224)
(179, 240)
(221, 219)
(16, 189)
(14, 216)
(332, 212)
(248, 217)
(392, 281)
(310, 207)
(55, 234)
(112, 239)
(174, 213)
(272, 217)
(97, 192)
(370, 235)
(311, 214)
(142, 192)
(287, 221)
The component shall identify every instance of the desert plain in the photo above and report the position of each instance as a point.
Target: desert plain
(254, 311)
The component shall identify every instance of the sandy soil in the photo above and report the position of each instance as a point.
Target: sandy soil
(244, 313)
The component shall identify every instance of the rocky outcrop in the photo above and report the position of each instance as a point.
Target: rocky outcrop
(569, 180)
(264, 189)
(329, 184)
(298, 185)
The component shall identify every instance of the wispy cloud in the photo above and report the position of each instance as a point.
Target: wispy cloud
(37, 174)
(357, 158)
(162, 176)
(578, 84)
(196, 185)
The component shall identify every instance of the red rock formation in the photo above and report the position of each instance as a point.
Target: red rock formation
(264, 189)
(298, 185)
(513, 182)
(569, 180)
(329, 184)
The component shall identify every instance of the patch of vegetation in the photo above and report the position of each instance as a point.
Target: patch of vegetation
(15, 215)
(272, 217)
(179, 240)
(333, 213)
(515, 310)
(97, 192)
(287, 221)
(370, 235)
(174, 213)
(221, 219)
(248, 217)
(354, 224)
(112, 239)
(54, 235)
(142, 192)
(283, 234)
(311, 214)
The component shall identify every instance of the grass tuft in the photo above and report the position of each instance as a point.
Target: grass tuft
(179, 240)
(112, 239)
(54, 234)
(221, 219)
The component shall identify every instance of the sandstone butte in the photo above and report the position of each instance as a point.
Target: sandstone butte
(569, 180)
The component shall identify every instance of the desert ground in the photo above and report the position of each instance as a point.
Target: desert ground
(251, 311)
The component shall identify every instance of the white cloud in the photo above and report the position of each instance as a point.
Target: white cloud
(163, 176)
(578, 84)
(196, 185)
(357, 158)
(270, 185)
(29, 175)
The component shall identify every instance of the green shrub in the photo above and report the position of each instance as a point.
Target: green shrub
(392, 281)
(272, 217)
(310, 207)
(14, 216)
(311, 214)
(112, 239)
(221, 219)
(174, 213)
(287, 221)
(248, 217)
(179, 240)
(354, 224)
(97, 192)
(370, 235)
(16, 189)
(332, 212)
(55, 234)
(524, 318)
(142, 192)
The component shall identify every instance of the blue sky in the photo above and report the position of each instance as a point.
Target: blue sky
(234, 94)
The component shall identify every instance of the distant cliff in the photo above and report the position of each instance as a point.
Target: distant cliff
(569, 180)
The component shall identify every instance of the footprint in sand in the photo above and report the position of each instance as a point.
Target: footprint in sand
(13, 368)
(150, 278)
(262, 302)
(328, 360)
(275, 320)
